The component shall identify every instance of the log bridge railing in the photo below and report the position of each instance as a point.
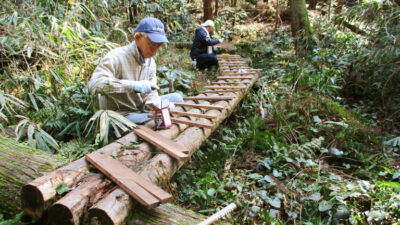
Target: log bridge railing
(94, 199)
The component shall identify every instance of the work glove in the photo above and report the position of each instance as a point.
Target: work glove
(143, 86)
(165, 103)
(194, 63)
(221, 40)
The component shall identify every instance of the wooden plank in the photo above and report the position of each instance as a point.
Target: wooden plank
(219, 91)
(192, 123)
(225, 87)
(208, 98)
(238, 62)
(193, 114)
(248, 70)
(230, 82)
(234, 77)
(166, 145)
(239, 74)
(123, 177)
(199, 106)
(188, 122)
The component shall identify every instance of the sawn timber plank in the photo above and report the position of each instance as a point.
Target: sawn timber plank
(199, 106)
(145, 192)
(234, 77)
(199, 115)
(188, 122)
(209, 98)
(225, 87)
(167, 145)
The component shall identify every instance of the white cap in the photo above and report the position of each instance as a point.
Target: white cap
(208, 23)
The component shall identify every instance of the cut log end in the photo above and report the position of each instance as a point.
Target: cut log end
(97, 216)
(32, 201)
(61, 215)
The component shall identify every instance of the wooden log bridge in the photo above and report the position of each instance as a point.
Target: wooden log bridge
(94, 199)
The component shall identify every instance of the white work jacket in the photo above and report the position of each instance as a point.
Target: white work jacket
(113, 77)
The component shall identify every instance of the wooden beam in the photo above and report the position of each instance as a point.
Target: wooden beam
(239, 74)
(230, 82)
(188, 122)
(193, 114)
(225, 87)
(166, 145)
(128, 180)
(208, 98)
(192, 123)
(199, 106)
(219, 91)
(234, 77)
(233, 63)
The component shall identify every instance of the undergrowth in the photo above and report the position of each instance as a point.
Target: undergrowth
(297, 150)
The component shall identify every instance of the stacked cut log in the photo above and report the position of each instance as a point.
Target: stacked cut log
(102, 202)
(20, 164)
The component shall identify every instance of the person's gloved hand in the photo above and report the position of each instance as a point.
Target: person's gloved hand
(194, 63)
(166, 103)
(221, 40)
(155, 101)
(143, 86)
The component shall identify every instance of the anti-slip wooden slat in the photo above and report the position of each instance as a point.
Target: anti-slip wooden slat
(166, 145)
(191, 123)
(199, 106)
(248, 70)
(137, 187)
(234, 77)
(225, 87)
(208, 98)
(238, 67)
(220, 91)
(232, 63)
(230, 82)
(238, 73)
(193, 114)
(188, 122)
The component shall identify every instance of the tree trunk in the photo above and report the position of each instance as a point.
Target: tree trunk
(39, 195)
(19, 165)
(300, 25)
(216, 8)
(208, 10)
(313, 4)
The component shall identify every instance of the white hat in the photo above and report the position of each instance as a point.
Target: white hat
(208, 23)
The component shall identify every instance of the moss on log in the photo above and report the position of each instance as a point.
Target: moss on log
(166, 214)
(20, 164)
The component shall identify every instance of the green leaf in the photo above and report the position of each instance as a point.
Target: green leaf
(211, 192)
(276, 202)
(62, 188)
(324, 206)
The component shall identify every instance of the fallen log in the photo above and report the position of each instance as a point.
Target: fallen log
(38, 195)
(100, 212)
(20, 164)
(69, 209)
(161, 167)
